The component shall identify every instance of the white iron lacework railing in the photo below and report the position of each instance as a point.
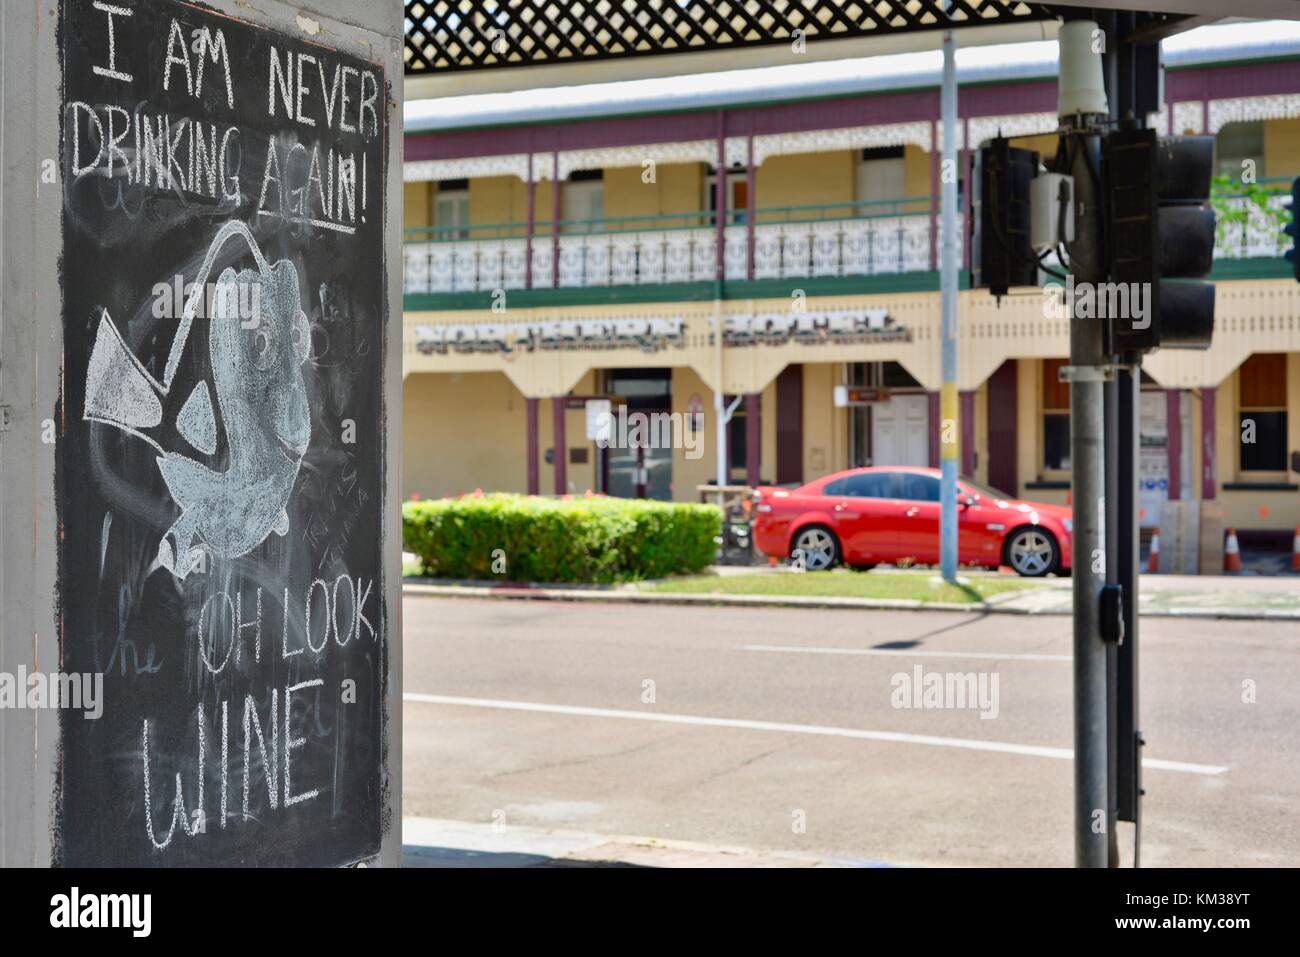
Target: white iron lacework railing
(793, 242)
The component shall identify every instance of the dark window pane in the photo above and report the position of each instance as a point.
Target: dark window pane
(1056, 442)
(835, 488)
(1267, 451)
(739, 436)
(916, 487)
(872, 485)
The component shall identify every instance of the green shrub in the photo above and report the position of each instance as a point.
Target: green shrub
(559, 540)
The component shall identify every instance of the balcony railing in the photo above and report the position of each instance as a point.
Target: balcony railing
(888, 237)
(868, 238)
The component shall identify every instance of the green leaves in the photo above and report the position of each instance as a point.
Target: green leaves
(594, 539)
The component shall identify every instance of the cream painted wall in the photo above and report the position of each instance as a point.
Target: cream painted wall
(807, 179)
(417, 204)
(916, 171)
(1282, 147)
(461, 431)
(677, 188)
(688, 473)
(825, 428)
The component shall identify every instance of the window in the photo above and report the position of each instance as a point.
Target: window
(582, 202)
(881, 182)
(451, 210)
(1237, 142)
(737, 194)
(1056, 418)
(918, 487)
(1261, 413)
(871, 485)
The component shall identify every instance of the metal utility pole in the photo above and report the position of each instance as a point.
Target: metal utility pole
(1084, 111)
(948, 422)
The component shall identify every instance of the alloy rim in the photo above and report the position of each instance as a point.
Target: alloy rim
(1031, 553)
(817, 547)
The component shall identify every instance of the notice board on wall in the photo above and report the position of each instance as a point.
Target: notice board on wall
(221, 442)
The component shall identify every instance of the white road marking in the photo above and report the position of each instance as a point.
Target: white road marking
(970, 744)
(904, 653)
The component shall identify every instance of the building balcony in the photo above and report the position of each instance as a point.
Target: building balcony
(851, 240)
(794, 242)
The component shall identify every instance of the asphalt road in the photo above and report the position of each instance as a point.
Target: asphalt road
(539, 714)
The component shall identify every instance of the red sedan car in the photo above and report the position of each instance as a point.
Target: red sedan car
(871, 516)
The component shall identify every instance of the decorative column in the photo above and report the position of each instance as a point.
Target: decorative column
(531, 186)
(967, 434)
(751, 211)
(1174, 443)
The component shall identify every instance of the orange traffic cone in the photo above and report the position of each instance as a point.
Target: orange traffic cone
(1153, 555)
(1295, 550)
(1232, 553)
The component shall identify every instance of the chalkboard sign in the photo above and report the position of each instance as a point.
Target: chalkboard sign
(221, 453)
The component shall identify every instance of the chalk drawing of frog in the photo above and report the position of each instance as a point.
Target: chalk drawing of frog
(261, 397)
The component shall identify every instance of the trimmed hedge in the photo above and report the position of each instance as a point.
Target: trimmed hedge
(595, 539)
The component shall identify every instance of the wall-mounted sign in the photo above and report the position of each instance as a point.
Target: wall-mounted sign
(850, 395)
(646, 335)
(814, 328)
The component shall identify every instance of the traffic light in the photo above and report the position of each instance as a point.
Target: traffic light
(1159, 240)
(1292, 229)
(1000, 253)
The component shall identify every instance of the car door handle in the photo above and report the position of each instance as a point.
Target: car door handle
(912, 512)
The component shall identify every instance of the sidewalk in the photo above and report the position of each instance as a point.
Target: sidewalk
(435, 842)
(1247, 598)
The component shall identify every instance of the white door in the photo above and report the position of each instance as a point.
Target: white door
(900, 431)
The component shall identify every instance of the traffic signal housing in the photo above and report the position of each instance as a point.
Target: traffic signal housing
(1159, 239)
(1001, 255)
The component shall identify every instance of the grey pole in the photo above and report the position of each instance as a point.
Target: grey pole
(1083, 111)
(948, 422)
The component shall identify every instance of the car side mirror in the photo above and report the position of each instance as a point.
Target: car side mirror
(966, 501)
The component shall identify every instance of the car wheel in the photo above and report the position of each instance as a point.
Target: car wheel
(818, 548)
(1032, 552)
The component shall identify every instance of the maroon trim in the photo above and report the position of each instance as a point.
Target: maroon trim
(789, 425)
(934, 429)
(1208, 482)
(1002, 428)
(530, 419)
(555, 219)
(750, 206)
(967, 434)
(968, 170)
(934, 194)
(720, 200)
(753, 437)
(532, 223)
(1174, 444)
(560, 444)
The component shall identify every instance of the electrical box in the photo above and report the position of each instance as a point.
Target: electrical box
(1051, 210)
